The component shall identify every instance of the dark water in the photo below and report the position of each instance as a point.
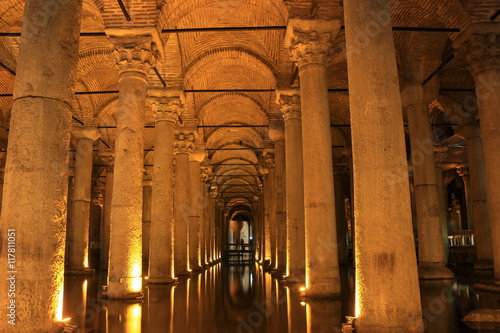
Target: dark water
(244, 299)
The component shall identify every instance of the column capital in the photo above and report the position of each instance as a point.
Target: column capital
(289, 103)
(469, 130)
(184, 143)
(166, 104)
(108, 158)
(479, 46)
(276, 130)
(311, 41)
(134, 53)
(418, 94)
(463, 170)
(86, 131)
(440, 153)
(269, 160)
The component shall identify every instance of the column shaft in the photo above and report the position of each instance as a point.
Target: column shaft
(280, 190)
(106, 221)
(195, 216)
(36, 179)
(146, 219)
(479, 197)
(488, 100)
(384, 238)
(78, 225)
(294, 201)
(431, 248)
(125, 251)
(181, 208)
(161, 254)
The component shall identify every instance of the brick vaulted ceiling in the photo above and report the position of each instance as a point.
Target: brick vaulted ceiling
(240, 60)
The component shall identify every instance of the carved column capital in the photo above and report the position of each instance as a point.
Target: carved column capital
(289, 104)
(134, 53)
(167, 109)
(184, 143)
(311, 41)
(479, 46)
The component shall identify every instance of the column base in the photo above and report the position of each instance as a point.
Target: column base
(161, 280)
(197, 269)
(123, 289)
(83, 271)
(434, 271)
(487, 319)
(483, 265)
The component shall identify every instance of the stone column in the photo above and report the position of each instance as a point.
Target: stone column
(479, 46)
(431, 249)
(78, 225)
(36, 171)
(440, 153)
(385, 248)
(196, 194)
(133, 58)
(161, 254)
(204, 222)
(277, 134)
(290, 107)
(310, 44)
(340, 217)
(147, 193)
(463, 172)
(108, 158)
(270, 195)
(183, 147)
(479, 195)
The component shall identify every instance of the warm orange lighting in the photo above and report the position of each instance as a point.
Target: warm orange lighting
(146, 278)
(136, 284)
(133, 316)
(65, 320)
(302, 288)
(303, 303)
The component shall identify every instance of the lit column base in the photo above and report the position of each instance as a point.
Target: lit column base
(124, 288)
(161, 281)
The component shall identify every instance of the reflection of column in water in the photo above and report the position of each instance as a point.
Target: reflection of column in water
(180, 306)
(281, 305)
(158, 309)
(323, 315)
(193, 319)
(296, 314)
(437, 306)
(124, 317)
(75, 300)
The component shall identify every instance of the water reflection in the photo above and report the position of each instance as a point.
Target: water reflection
(244, 299)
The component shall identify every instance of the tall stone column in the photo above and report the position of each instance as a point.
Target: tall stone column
(147, 194)
(183, 147)
(277, 134)
(385, 248)
(270, 197)
(479, 46)
(290, 107)
(431, 249)
(161, 254)
(204, 218)
(440, 153)
(196, 193)
(134, 58)
(310, 44)
(340, 217)
(479, 196)
(36, 180)
(463, 172)
(77, 234)
(108, 158)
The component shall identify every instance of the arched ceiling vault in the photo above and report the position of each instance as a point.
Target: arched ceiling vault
(233, 121)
